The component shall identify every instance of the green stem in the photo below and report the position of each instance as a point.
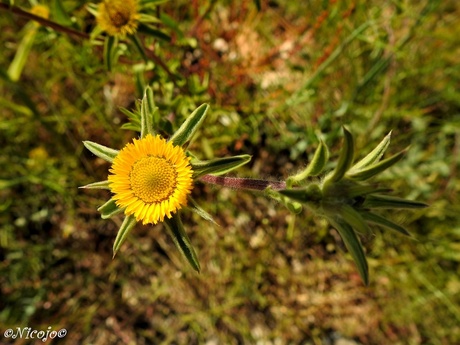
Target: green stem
(243, 183)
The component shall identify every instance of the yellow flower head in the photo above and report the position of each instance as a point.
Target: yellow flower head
(118, 17)
(151, 179)
(41, 11)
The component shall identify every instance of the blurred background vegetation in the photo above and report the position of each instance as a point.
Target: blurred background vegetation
(277, 75)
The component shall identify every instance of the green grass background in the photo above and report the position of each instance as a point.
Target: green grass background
(277, 80)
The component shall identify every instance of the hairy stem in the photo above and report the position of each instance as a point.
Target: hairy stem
(243, 183)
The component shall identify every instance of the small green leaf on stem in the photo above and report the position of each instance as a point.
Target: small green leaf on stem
(149, 113)
(110, 51)
(345, 158)
(22, 53)
(372, 170)
(354, 218)
(379, 220)
(182, 241)
(314, 168)
(140, 48)
(109, 209)
(193, 205)
(190, 126)
(97, 185)
(125, 228)
(374, 156)
(218, 166)
(104, 152)
(385, 201)
(355, 248)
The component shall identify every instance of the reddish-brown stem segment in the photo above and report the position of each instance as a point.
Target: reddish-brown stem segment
(243, 183)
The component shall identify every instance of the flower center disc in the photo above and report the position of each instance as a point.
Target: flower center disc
(153, 179)
(119, 16)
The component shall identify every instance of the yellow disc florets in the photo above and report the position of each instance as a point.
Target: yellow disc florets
(151, 179)
(118, 17)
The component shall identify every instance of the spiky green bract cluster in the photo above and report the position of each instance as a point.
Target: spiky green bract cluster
(147, 121)
(344, 197)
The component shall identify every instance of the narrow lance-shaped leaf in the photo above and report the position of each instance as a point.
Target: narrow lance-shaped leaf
(379, 220)
(104, 152)
(138, 44)
(109, 209)
(375, 169)
(355, 248)
(218, 166)
(345, 158)
(125, 228)
(152, 31)
(22, 52)
(149, 113)
(315, 167)
(182, 241)
(198, 210)
(97, 185)
(385, 201)
(353, 218)
(374, 156)
(110, 52)
(190, 126)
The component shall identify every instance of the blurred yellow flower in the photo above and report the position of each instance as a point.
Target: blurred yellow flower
(41, 11)
(118, 17)
(151, 179)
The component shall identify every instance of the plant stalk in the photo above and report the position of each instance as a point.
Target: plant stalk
(243, 183)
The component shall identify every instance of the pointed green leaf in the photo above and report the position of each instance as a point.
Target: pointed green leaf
(147, 18)
(109, 209)
(345, 158)
(138, 44)
(315, 167)
(362, 190)
(385, 201)
(375, 169)
(22, 53)
(218, 166)
(355, 248)
(190, 126)
(353, 218)
(152, 31)
(198, 210)
(374, 156)
(110, 51)
(97, 185)
(125, 228)
(182, 241)
(149, 113)
(104, 152)
(379, 220)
